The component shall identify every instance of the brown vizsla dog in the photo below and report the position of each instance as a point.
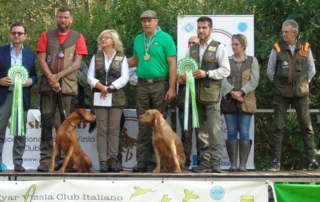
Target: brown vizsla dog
(66, 139)
(167, 145)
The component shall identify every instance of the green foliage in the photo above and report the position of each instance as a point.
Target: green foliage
(93, 16)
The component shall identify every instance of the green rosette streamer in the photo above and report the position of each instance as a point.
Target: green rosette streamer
(186, 66)
(19, 75)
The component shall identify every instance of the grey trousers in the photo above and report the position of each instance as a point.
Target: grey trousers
(209, 135)
(108, 127)
(19, 142)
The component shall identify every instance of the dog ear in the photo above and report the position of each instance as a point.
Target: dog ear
(82, 111)
(158, 119)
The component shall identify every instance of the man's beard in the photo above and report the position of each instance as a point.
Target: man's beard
(63, 29)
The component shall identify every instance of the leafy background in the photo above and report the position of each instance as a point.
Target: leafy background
(93, 16)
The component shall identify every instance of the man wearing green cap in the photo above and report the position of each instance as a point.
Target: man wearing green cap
(155, 58)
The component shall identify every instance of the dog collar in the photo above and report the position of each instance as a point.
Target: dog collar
(73, 125)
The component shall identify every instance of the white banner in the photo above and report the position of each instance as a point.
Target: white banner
(133, 191)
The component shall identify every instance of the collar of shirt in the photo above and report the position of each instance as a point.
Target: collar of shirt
(107, 62)
(202, 49)
(15, 59)
(233, 57)
(238, 63)
(292, 48)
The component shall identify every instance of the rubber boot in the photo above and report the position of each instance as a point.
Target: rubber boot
(244, 148)
(232, 149)
(119, 157)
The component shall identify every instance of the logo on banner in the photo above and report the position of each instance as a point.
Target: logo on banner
(217, 193)
(189, 195)
(127, 144)
(188, 27)
(129, 139)
(242, 26)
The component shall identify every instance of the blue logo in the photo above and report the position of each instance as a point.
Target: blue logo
(217, 193)
(188, 27)
(242, 26)
(3, 167)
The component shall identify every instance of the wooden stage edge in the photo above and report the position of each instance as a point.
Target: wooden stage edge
(280, 176)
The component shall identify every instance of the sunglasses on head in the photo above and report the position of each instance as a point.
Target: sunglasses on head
(237, 35)
(17, 33)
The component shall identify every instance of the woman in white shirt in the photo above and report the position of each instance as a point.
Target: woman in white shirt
(108, 74)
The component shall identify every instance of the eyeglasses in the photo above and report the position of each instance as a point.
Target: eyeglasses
(191, 42)
(15, 33)
(235, 44)
(104, 38)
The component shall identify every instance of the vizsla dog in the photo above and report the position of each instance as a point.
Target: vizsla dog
(167, 145)
(76, 160)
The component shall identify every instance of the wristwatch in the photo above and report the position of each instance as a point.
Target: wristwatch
(111, 88)
(207, 74)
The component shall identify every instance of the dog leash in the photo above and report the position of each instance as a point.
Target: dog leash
(62, 105)
(165, 108)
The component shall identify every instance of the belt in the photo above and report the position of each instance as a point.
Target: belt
(156, 80)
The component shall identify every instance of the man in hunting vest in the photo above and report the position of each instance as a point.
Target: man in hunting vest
(214, 65)
(291, 68)
(60, 56)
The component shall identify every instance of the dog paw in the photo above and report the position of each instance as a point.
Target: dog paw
(177, 171)
(156, 171)
(61, 171)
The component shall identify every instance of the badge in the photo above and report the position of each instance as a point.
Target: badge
(61, 55)
(117, 63)
(71, 57)
(118, 58)
(210, 55)
(211, 48)
(285, 64)
(48, 58)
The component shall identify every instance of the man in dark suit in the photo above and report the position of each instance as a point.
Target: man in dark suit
(15, 54)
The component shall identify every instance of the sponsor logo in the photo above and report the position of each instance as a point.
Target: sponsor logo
(242, 26)
(217, 193)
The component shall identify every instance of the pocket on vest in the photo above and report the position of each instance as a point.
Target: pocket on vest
(249, 105)
(69, 84)
(119, 98)
(209, 95)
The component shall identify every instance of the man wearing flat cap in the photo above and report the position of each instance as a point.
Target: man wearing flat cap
(154, 55)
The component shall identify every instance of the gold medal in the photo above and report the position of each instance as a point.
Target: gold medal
(146, 56)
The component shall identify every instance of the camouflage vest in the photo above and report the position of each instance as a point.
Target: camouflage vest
(208, 90)
(119, 98)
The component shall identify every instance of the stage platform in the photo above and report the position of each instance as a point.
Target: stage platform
(311, 177)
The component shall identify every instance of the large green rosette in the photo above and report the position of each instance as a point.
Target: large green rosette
(186, 66)
(19, 75)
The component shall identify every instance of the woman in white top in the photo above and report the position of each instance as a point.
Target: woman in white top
(108, 74)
